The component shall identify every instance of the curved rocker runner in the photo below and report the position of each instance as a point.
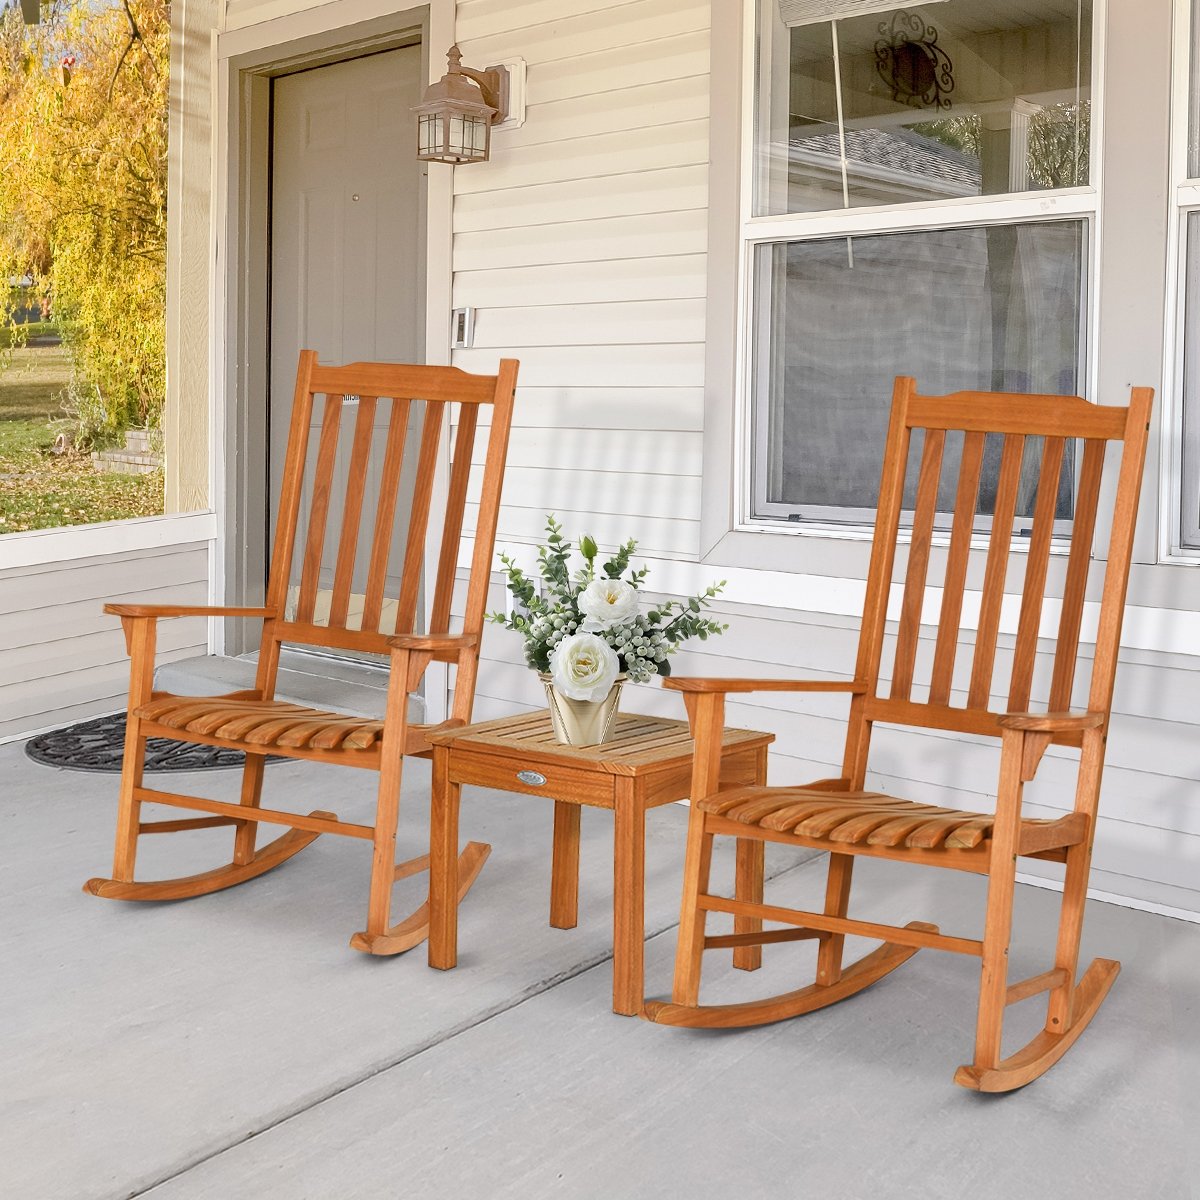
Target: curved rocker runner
(326, 610)
(840, 817)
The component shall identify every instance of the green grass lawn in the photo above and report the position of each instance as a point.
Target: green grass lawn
(39, 489)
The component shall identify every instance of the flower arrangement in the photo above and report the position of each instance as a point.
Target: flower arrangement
(588, 626)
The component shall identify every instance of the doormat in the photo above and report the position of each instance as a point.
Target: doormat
(99, 745)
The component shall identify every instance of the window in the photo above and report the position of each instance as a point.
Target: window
(920, 204)
(1188, 200)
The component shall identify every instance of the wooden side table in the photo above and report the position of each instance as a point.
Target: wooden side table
(648, 763)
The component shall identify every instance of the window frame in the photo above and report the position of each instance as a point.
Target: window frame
(1078, 203)
(1179, 490)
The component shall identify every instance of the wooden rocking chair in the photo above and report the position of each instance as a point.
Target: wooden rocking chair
(330, 600)
(839, 816)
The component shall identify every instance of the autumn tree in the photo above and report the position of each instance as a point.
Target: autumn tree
(83, 173)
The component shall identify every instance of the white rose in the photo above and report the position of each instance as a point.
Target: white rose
(607, 603)
(583, 667)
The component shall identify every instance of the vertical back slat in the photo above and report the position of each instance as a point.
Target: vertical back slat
(318, 512)
(385, 513)
(999, 548)
(1082, 532)
(1120, 550)
(1034, 590)
(291, 485)
(418, 522)
(460, 476)
(489, 500)
(879, 577)
(918, 563)
(356, 484)
(956, 567)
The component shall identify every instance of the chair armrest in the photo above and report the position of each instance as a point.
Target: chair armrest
(695, 683)
(1063, 722)
(184, 610)
(433, 641)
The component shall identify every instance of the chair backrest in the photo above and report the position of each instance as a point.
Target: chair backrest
(1029, 439)
(351, 582)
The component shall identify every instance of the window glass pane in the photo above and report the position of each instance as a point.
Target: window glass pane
(990, 308)
(860, 104)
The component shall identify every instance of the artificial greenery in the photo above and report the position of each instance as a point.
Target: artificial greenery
(642, 640)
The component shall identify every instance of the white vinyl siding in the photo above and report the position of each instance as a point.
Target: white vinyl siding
(582, 247)
(563, 256)
(61, 658)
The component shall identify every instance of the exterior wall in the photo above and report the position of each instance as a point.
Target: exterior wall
(596, 248)
(61, 658)
(583, 246)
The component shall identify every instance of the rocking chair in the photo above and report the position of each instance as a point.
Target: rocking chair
(841, 817)
(327, 595)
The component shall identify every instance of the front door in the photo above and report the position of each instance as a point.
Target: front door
(347, 264)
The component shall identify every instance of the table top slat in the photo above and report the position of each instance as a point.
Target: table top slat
(641, 743)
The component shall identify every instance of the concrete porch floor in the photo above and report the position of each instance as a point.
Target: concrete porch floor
(234, 1046)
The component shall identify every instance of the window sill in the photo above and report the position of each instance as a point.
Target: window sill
(41, 547)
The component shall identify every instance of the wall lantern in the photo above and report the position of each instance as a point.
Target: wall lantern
(455, 118)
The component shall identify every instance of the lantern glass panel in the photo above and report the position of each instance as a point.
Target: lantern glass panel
(456, 141)
(429, 129)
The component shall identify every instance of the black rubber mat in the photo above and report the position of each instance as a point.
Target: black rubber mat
(99, 744)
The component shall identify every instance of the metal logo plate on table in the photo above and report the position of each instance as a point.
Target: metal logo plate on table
(533, 778)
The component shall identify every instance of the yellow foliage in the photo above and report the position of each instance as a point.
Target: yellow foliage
(83, 176)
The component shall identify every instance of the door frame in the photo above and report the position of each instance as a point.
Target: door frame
(244, 63)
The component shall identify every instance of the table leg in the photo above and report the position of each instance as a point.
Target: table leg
(564, 870)
(443, 864)
(748, 885)
(629, 883)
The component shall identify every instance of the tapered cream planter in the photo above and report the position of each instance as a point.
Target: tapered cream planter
(582, 722)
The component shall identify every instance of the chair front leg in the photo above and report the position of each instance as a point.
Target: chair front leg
(1002, 879)
(1074, 897)
(706, 712)
(140, 639)
(690, 949)
(387, 810)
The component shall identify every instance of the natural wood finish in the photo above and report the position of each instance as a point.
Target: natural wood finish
(269, 857)
(844, 818)
(1071, 619)
(918, 563)
(956, 568)
(1047, 1048)
(999, 547)
(749, 866)
(695, 683)
(648, 763)
(252, 720)
(1037, 562)
(352, 510)
(564, 866)
(866, 971)
(418, 520)
(185, 610)
(414, 929)
(1035, 985)
(385, 514)
(318, 509)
